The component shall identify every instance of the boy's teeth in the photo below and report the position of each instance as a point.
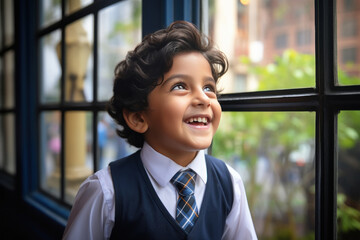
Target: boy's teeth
(198, 119)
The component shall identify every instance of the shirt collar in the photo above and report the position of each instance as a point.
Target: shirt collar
(162, 168)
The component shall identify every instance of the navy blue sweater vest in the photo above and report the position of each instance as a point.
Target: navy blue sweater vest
(140, 214)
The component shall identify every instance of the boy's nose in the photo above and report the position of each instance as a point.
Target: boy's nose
(201, 99)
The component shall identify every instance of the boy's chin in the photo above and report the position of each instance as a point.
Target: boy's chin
(202, 146)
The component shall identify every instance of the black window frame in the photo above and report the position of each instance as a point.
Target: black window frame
(327, 99)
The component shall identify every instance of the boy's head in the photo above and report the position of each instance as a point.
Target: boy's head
(144, 69)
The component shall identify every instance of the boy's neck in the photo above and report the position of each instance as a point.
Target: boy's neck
(182, 158)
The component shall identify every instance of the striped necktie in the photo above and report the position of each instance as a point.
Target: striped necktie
(186, 210)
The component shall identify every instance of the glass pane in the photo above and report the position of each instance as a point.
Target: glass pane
(119, 32)
(274, 154)
(9, 22)
(50, 12)
(74, 5)
(348, 42)
(50, 67)
(50, 150)
(7, 89)
(7, 143)
(78, 151)
(348, 197)
(270, 44)
(110, 146)
(79, 60)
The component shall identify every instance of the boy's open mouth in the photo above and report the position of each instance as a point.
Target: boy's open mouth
(199, 121)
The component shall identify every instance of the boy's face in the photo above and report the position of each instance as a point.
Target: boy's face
(183, 112)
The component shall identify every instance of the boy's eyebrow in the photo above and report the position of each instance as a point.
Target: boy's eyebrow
(211, 79)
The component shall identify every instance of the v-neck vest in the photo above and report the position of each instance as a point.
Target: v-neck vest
(140, 214)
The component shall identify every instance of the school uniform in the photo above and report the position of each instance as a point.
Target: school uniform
(144, 201)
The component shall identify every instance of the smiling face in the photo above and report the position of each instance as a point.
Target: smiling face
(183, 113)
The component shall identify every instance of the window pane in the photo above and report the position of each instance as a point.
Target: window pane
(50, 49)
(7, 88)
(78, 151)
(9, 22)
(79, 60)
(271, 43)
(119, 32)
(348, 42)
(7, 143)
(110, 146)
(348, 197)
(274, 154)
(50, 150)
(74, 5)
(50, 12)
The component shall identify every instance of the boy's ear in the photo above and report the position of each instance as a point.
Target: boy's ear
(135, 120)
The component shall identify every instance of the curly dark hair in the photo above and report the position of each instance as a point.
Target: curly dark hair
(144, 68)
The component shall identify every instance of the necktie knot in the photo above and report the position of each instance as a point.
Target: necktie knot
(184, 181)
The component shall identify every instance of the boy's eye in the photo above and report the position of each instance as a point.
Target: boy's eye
(178, 86)
(209, 89)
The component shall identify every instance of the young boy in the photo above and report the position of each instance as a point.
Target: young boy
(165, 100)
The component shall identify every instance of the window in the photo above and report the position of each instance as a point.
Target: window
(348, 43)
(349, 28)
(303, 37)
(349, 56)
(281, 41)
(76, 137)
(282, 131)
(7, 90)
(349, 5)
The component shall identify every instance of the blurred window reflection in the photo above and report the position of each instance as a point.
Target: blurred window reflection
(7, 143)
(78, 154)
(110, 146)
(50, 12)
(118, 33)
(79, 60)
(50, 150)
(77, 136)
(348, 42)
(74, 5)
(274, 153)
(50, 79)
(9, 22)
(265, 38)
(348, 197)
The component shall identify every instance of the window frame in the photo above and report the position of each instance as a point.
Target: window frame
(326, 100)
(158, 14)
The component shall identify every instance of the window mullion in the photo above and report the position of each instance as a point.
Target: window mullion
(326, 120)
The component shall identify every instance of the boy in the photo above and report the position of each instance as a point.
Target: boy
(165, 99)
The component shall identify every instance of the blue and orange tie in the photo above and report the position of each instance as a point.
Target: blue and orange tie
(186, 210)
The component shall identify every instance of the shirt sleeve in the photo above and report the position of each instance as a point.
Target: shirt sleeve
(91, 215)
(239, 224)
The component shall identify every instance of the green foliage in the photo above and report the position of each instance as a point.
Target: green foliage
(348, 217)
(291, 70)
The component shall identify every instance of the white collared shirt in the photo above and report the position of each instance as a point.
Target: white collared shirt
(93, 213)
